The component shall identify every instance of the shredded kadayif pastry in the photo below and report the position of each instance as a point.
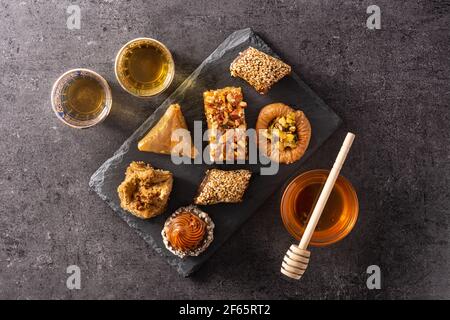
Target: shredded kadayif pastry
(145, 190)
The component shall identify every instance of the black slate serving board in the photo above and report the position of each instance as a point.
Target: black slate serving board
(213, 73)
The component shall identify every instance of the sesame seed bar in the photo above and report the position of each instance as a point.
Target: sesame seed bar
(221, 186)
(259, 69)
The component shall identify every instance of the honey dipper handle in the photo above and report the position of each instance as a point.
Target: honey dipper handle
(326, 191)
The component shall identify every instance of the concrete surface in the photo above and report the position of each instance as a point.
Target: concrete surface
(391, 87)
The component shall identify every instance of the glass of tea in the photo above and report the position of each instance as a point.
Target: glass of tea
(144, 67)
(338, 217)
(81, 98)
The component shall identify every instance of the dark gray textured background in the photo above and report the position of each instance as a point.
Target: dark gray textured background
(390, 86)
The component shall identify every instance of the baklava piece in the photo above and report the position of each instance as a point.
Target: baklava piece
(159, 139)
(221, 186)
(286, 132)
(225, 116)
(145, 190)
(188, 232)
(259, 69)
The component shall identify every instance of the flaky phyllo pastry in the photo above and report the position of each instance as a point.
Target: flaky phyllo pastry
(170, 135)
(225, 116)
(283, 133)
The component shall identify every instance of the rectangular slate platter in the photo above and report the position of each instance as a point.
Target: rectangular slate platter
(213, 73)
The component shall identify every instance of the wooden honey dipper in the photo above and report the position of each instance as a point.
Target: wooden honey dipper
(297, 257)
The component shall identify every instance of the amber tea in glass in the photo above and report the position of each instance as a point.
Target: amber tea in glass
(84, 97)
(338, 217)
(81, 98)
(144, 67)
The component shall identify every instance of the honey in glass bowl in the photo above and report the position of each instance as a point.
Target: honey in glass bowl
(338, 217)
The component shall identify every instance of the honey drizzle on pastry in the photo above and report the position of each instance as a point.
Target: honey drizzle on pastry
(186, 231)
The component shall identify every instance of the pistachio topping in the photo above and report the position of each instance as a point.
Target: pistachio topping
(283, 131)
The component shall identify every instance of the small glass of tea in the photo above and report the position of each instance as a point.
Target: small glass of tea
(144, 67)
(81, 98)
(338, 217)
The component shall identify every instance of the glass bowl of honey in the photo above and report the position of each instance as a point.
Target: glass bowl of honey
(144, 67)
(338, 217)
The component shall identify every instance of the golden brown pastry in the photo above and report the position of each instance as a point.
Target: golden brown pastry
(145, 190)
(259, 69)
(225, 116)
(289, 128)
(159, 138)
(188, 232)
(223, 186)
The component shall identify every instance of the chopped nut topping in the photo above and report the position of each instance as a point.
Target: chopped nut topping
(225, 113)
(284, 131)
